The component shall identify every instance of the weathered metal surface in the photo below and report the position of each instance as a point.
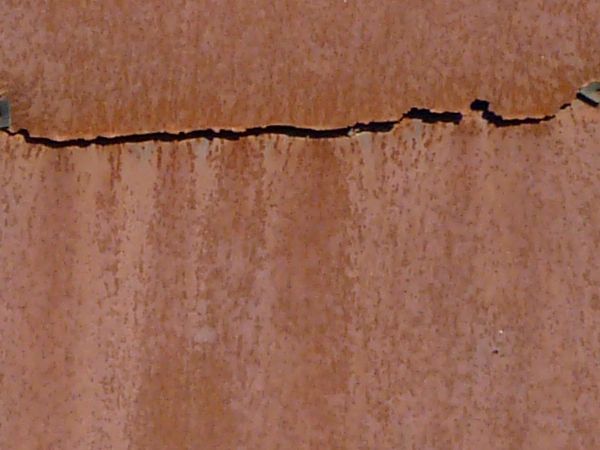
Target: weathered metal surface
(433, 287)
(119, 67)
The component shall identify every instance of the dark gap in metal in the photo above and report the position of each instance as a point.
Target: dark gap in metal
(428, 116)
(497, 120)
(586, 100)
(229, 135)
(422, 114)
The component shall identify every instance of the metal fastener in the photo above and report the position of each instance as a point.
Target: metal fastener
(590, 93)
(4, 113)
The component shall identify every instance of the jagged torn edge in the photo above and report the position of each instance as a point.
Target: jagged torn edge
(424, 115)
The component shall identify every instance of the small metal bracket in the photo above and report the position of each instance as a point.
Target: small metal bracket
(4, 113)
(590, 93)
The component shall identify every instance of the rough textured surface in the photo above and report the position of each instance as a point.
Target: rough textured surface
(81, 69)
(434, 287)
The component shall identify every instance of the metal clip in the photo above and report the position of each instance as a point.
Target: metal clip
(590, 93)
(4, 113)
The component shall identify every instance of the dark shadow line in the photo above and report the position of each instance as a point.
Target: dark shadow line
(231, 135)
(428, 116)
(422, 114)
(586, 100)
(497, 120)
(209, 134)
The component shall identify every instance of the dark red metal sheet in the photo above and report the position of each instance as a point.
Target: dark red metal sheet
(118, 67)
(431, 287)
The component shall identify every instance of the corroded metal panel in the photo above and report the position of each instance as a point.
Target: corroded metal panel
(117, 67)
(431, 287)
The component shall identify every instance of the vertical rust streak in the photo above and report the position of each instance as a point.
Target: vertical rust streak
(431, 287)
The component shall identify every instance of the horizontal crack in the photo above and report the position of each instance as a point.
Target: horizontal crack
(422, 114)
(499, 121)
(428, 116)
(228, 135)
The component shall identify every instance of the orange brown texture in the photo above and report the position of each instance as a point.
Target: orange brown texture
(433, 287)
(119, 67)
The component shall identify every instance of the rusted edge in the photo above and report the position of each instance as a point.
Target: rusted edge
(589, 94)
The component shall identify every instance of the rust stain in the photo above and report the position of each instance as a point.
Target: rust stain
(431, 287)
(120, 67)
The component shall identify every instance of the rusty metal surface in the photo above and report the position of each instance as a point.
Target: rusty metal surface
(119, 67)
(432, 287)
